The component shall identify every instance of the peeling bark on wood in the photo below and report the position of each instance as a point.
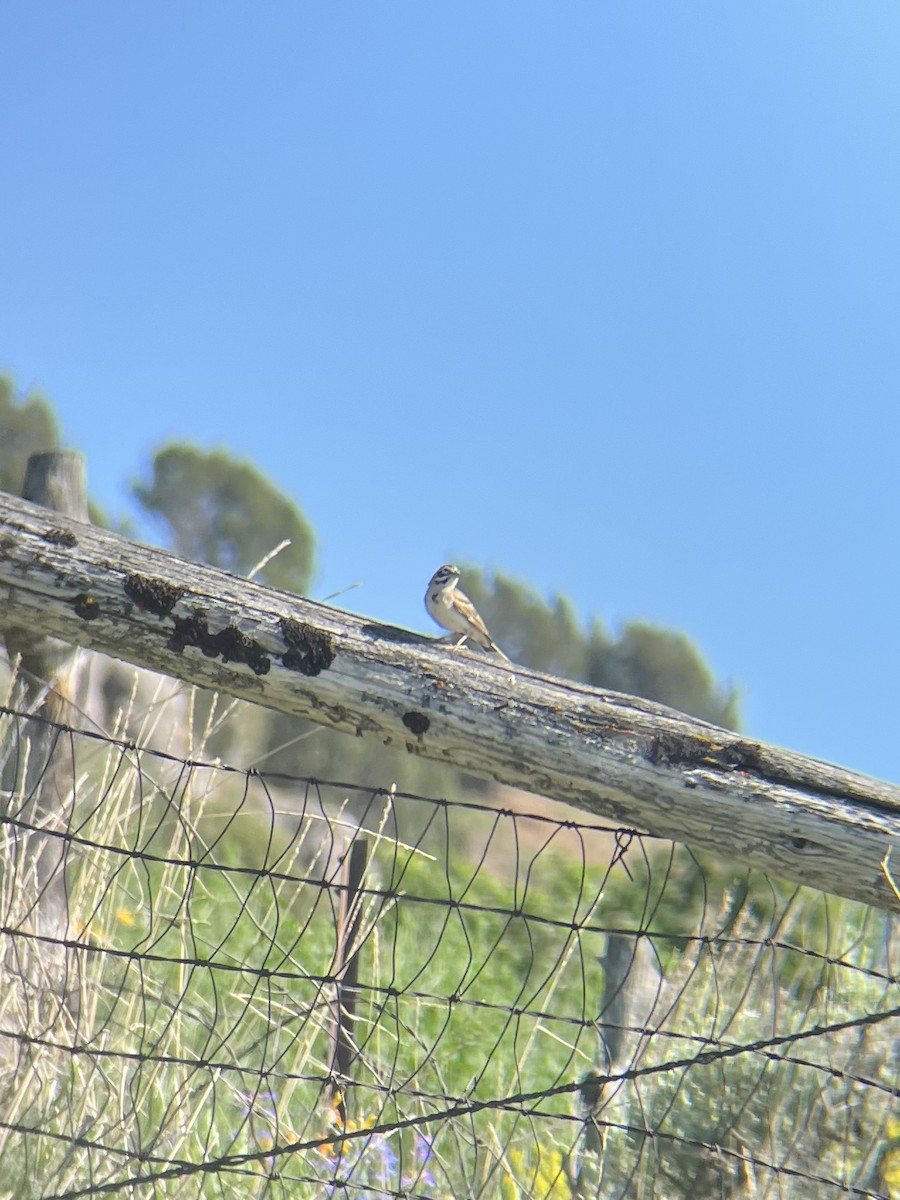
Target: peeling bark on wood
(624, 760)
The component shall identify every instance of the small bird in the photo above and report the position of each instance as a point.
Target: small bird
(453, 610)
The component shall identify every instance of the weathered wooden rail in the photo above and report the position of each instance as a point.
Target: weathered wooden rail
(625, 760)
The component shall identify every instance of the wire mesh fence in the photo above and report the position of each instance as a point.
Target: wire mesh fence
(221, 982)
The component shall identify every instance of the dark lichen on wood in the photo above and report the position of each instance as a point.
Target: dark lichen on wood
(229, 644)
(310, 650)
(416, 723)
(86, 606)
(60, 537)
(671, 749)
(157, 596)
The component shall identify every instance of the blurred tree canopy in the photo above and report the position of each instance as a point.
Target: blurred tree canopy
(657, 664)
(224, 512)
(27, 427)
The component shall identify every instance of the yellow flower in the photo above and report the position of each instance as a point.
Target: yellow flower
(546, 1180)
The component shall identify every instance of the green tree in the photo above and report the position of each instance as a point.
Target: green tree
(657, 664)
(226, 513)
(27, 426)
(662, 665)
(30, 427)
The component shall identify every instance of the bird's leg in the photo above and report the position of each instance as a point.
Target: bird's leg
(451, 640)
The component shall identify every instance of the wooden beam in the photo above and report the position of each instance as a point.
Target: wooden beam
(626, 761)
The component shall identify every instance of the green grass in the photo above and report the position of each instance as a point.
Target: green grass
(175, 1043)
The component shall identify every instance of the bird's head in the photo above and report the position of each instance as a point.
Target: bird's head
(447, 574)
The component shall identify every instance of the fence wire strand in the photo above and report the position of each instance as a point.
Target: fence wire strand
(199, 995)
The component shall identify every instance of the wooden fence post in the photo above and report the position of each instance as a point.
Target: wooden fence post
(35, 783)
(346, 973)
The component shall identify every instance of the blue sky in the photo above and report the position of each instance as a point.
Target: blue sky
(603, 295)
